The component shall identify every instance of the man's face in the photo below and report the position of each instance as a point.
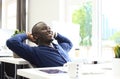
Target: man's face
(46, 34)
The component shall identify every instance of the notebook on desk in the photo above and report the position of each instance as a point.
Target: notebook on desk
(53, 71)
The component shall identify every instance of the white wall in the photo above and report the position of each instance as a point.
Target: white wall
(42, 10)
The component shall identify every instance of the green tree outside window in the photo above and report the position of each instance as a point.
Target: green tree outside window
(83, 17)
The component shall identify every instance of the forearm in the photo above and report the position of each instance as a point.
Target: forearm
(64, 42)
(19, 37)
(62, 39)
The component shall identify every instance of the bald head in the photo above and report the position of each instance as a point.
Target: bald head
(37, 27)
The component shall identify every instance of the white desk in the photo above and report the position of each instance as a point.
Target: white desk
(18, 63)
(13, 60)
(5, 54)
(90, 71)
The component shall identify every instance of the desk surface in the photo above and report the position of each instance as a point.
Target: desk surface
(6, 54)
(89, 71)
(13, 60)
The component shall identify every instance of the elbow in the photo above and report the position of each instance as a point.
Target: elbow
(71, 45)
(9, 43)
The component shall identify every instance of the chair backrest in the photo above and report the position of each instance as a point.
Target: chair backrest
(31, 66)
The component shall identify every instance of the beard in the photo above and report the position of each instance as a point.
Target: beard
(50, 40)
(38, 41)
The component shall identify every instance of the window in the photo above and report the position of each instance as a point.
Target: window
(110, 25)
(13, 17)
(101, 26)
(14, 13)
(9, 14)
(81, 12)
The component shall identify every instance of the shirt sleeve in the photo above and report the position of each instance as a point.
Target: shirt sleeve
(17, 45)
(64, 42)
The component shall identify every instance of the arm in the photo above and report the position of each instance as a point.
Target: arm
(17, 45)
(64, 42)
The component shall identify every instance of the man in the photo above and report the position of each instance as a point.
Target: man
(46, 53)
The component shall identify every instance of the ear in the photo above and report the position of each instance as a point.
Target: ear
(35, 37)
